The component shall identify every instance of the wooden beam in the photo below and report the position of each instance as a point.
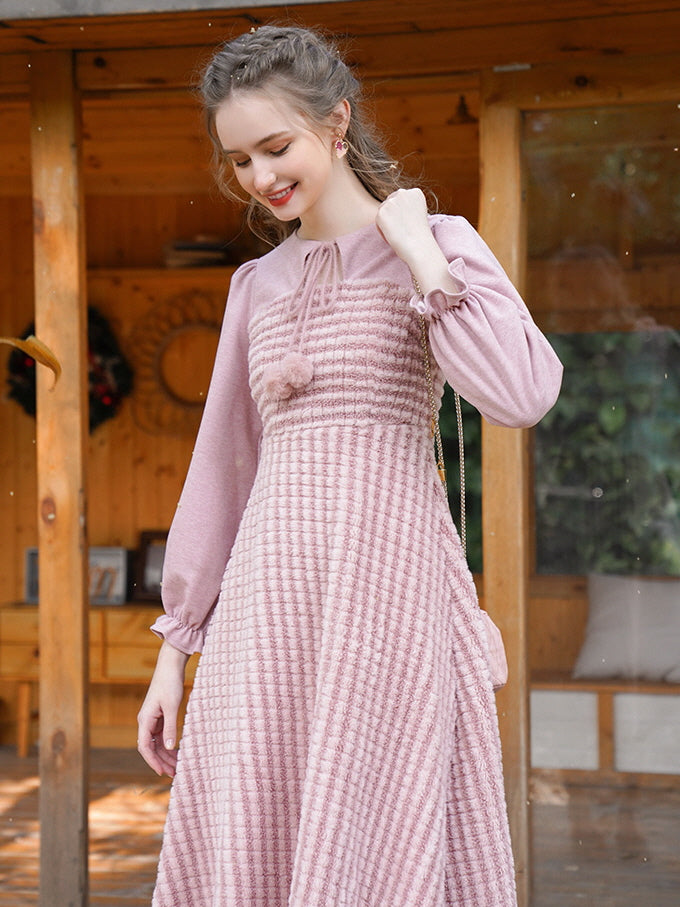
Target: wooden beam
(352, 17)
(605, 731)
(588, 82)
(384, 38)
(390, 55)
(505, 484)
(60, 315)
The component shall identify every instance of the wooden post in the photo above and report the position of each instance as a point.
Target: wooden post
(61, 322)
(505, 485)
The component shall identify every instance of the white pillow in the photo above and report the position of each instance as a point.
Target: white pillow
(633, 629)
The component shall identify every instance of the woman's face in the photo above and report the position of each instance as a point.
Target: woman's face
(276, 156)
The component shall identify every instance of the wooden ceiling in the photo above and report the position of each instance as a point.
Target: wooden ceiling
(384, 37)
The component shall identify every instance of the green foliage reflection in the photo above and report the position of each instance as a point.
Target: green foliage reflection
(607, 457)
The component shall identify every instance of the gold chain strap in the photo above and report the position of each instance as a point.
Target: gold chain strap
(436, 433)
(434, 415)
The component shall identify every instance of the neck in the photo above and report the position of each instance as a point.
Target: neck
(346, 206)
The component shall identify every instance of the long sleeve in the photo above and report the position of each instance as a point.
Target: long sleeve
(483, 336)
(217, 485)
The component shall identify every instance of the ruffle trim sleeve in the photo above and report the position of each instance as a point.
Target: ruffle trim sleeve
(436, 302)
(187, 639)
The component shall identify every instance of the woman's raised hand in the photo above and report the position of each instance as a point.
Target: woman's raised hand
(402, 221)
(157, 718)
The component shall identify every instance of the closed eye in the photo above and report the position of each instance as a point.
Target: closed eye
(274, 153)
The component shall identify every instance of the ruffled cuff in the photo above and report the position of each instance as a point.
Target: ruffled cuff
(186, 639)
(435, 303)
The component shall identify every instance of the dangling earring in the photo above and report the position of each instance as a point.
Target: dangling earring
(341, 147)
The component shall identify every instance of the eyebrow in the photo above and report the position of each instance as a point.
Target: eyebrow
(264, 141)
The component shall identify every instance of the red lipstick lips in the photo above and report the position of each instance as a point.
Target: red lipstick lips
(280, 198)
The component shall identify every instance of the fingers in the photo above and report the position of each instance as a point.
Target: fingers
(170, 729)
(154, 752)
(401, 209)
(412, 200)
(403, 223)
(153, 732)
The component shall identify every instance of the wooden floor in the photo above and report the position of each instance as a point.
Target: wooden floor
(610, 847)
(593, 846)
(127, 809)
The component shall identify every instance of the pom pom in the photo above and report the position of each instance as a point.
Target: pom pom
(285, 378)
(297, 370)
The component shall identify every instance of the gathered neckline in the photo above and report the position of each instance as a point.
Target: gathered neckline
(339, 239)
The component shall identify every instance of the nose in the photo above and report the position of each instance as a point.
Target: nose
(263, 178)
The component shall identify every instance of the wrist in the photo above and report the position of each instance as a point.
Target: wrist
(430, 269)
(421, 248)
(169, 655)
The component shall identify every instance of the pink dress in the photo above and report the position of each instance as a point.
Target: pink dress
(341, 744)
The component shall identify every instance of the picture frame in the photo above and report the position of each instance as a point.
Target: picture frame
(108, 575)
(108, 578)
(149, 565)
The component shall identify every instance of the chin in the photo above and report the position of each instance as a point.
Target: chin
(282, 216)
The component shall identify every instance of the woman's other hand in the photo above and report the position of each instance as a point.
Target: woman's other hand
(157, 718)
(402, 221)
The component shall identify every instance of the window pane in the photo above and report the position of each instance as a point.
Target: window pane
(604, 276)
(607, 457)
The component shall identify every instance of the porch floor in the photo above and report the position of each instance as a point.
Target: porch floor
(592, 845)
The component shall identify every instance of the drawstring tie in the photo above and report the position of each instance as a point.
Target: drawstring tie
(322, 271)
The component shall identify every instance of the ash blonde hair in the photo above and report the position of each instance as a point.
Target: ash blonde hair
(306, 69)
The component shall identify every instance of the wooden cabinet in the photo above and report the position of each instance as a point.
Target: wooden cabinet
(122, 654)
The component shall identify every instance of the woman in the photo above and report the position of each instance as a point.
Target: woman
(341, 743)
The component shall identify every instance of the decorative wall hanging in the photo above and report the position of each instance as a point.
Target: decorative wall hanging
(109, 373)
(173, 347)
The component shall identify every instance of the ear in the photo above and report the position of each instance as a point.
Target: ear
(341, 116)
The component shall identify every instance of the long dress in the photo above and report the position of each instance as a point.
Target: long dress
(341, 744)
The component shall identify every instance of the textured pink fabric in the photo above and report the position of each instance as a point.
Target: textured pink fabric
(341, 742)
(488, 349)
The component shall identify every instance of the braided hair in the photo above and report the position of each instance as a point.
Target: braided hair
(305, 68)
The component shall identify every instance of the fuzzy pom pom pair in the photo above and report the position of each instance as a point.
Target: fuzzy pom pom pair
(287, 377)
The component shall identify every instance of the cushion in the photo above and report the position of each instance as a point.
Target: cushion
(633, 629)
